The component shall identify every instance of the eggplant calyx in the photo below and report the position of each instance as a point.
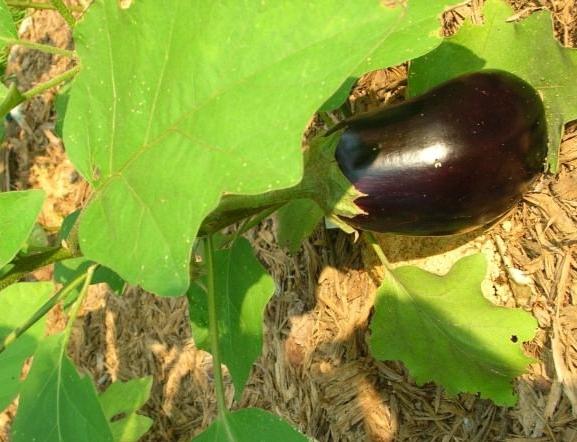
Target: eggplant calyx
(326, 183)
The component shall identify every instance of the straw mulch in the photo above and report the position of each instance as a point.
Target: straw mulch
(315, 370)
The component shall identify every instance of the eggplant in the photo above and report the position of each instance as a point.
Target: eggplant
(456, 158)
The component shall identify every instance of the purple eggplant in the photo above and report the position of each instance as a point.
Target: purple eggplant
(451, 160)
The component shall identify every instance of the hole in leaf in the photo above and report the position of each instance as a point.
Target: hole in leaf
(514, 338)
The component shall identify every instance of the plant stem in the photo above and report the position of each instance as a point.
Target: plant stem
(26, 4)
(213, 328)
(26, 264)
(74, 311)
(38, 46)
(374, 244)
(65, 76)
(326, 119)
(249, 223)
(233, 208)
(15, 97)
(61, 7)
(43, 310)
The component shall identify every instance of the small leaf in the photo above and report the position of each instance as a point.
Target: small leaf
(510, 46)
(296, 221)
(121, 400)
(56, 403)
(243, 289)
(7, 26)
(18, 303)
(60, 106)
(250, 425)
(445, 331)
(18, 213)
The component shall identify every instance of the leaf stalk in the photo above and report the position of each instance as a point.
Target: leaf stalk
(213, 327)
(38, 46)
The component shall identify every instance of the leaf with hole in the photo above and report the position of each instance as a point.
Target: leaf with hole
(444, 330)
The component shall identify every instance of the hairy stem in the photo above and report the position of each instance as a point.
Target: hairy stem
(42, 311)
(233, 208)
(65, 76)
(61, 7)
(76, 306)
(21, 266)
(38, 46)
(374, 245)
(26, 4)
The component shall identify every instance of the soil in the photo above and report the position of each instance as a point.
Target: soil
(315, 370)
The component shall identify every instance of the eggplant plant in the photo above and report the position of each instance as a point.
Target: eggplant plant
(181, 141)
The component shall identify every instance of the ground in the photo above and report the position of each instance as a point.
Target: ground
(315, 370)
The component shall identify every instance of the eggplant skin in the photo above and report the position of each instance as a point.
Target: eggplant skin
(449, 161)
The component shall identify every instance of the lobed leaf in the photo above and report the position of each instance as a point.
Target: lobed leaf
(445, 331)
(181, 101)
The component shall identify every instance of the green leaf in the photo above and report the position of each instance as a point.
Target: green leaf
(56, 404)
(445, 331)
(37, 241)
(296, 221)
(121, 401)
(526, 48)
(69, 269)
(242, 289)
(18, 302)
(162, 137)
(416, 32)
(250, 425)
(7, 26)
(18, 213)
(60, 106)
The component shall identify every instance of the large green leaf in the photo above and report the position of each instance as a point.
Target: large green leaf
(444, 330)
(17, 304)
(242, 289)
(180, 101)
(56, 404)
(18, 213)
(120, 402)
(250, 425)
(526, 48)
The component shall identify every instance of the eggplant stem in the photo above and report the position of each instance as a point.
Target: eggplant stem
(374, 244)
